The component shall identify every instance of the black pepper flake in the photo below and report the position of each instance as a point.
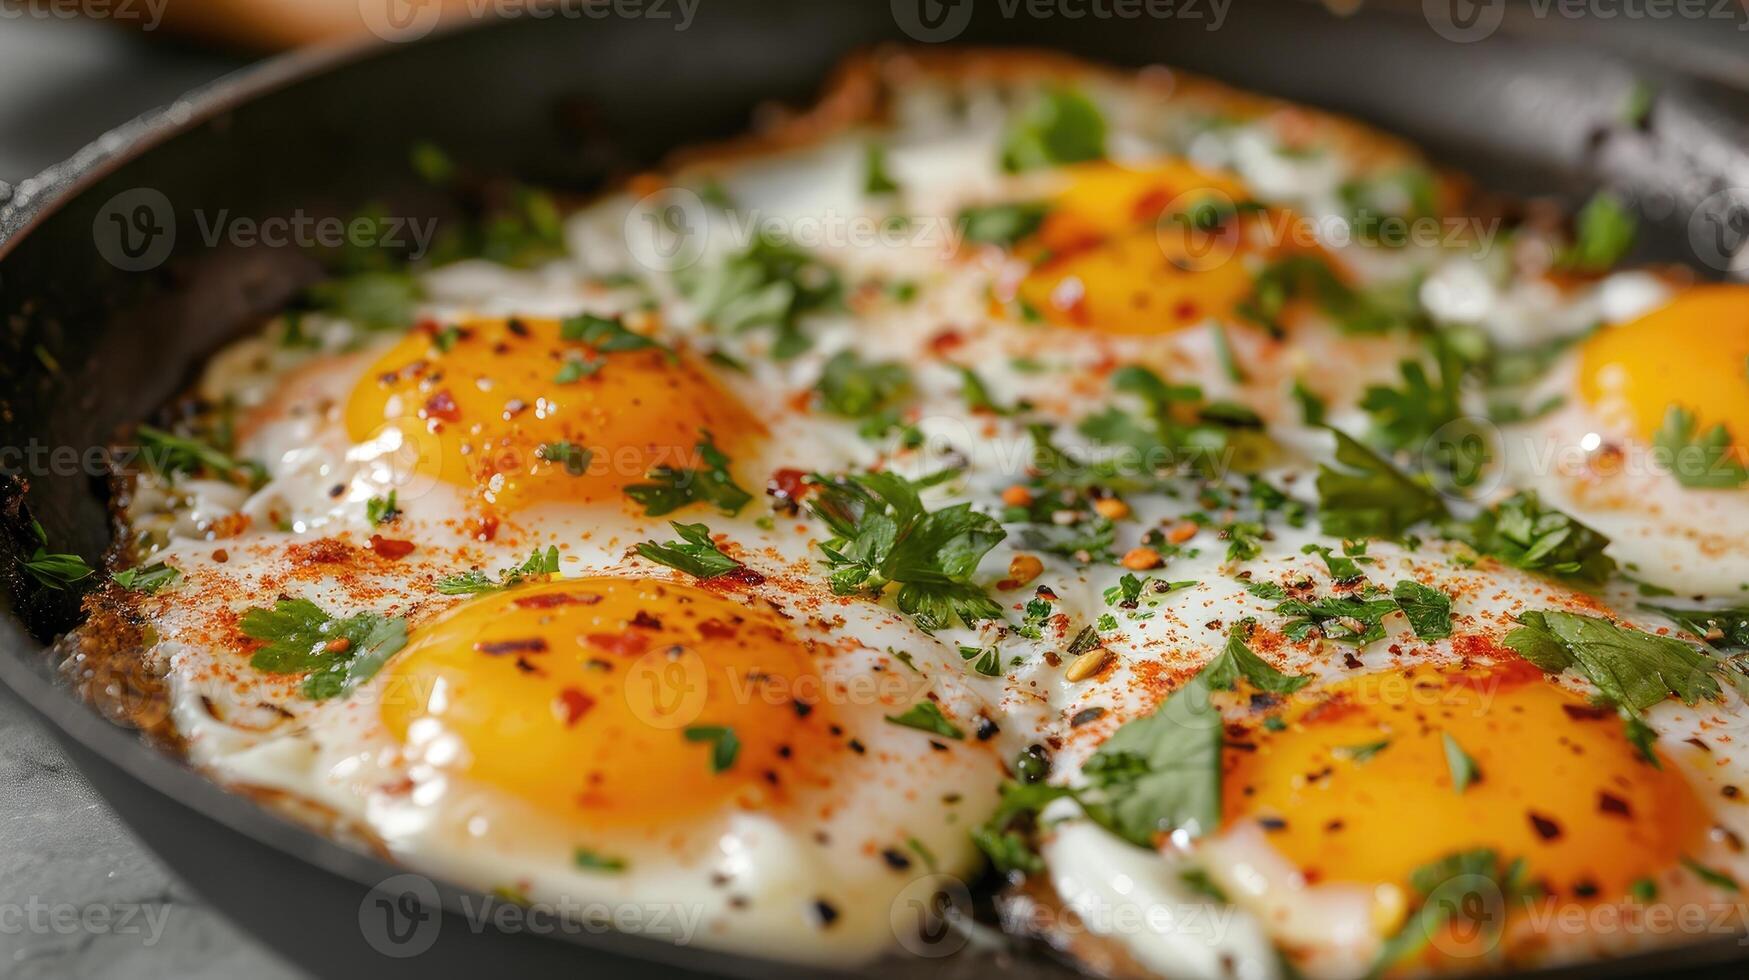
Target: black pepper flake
(517, 327)
(337, 489)
(895, 859)
(1545, 828)
(825, 913)
(857, 746)
(937, 746)
(1585, 889)
(1086, 715)
(1731, 792)
(802, 709)
(643, 620)
(1612, 804)
(1334, 826)
(987, 729)
(1351, 661)
(1272, 824)
(498, 648)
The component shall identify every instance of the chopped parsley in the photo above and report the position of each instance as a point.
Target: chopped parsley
(695, 553)
(166, 453)
(1236, 660)
(1001, 224)
(1524, 533)
(1373, 310)
(335, 655)
(1057, 127)
(983, 660)
(926, 716)
(374, 299)
(1356, 619)
(149, 579)
(872, 391)
(588, 860)
(474, 582)
(1463, 769)
(573, 458)
(877, 181)
(1722, 629)
(1364, 496)
(1718, 879)
(1603, 233)
(1631, 668)
(725, 746)
(882, 534)
(670, 489)
(608, 336)
(54, 570)
(382, 510)
(1703, 461)
(768, 286)
(1428, 609)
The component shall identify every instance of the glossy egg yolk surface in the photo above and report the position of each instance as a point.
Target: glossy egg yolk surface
(1145, 251)
(1692, 353)
(528, 410)
(613, 702)
(1357, 784)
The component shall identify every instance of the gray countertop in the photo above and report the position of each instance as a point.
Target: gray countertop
(79, 897)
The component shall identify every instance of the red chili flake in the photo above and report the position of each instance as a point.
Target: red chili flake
(1185, 311)
(572, 705)
(442, 406)
(786, 489)
(627, 644)
(221, 556)
(643, 620)
(739, 576)
(715, 629)
(945, 341)
(339, 644)
(1545, 827)
(499, 648)
(547, 600)
(483, 528)
(1149, 205)
(1610, 803)
(390, 548)
(428, 326)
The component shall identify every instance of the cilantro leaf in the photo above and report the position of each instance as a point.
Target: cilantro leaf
(1354, 619)
(166, 453)
(1364, 496)
(876, 180)
(1375, 310)
(381, 510)
(1003, 837)
(376, 299)
(670, 489)
(1723, 629)
(1428, 609)
(574, 458)
(589, 860)
(1705, 461)
(1059, 126)
(1463, 769)
(1236, 660)
(335, 655)
(695, 554)
(868, 390)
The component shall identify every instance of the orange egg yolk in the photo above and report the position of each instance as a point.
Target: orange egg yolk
(1116, 254)
(518, 413)
(1690, 352)
(1357, 786)
(613, 702)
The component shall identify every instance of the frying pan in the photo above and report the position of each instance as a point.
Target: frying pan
(86, 345)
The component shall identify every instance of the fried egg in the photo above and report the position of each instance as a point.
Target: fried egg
(942, 480)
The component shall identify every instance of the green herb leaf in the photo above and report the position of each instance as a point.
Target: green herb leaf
(1705, 461)
(538, 564)
(150, 579)
(858, 389)
(1630, 668)
(670, 489)
(1722, 629)
(1603, 234)
(1458, 762)
(725, 746)
(609, 336)
(1001, 224)
(1059, 126)
(925, 716)
(166, 453)
(335, 655)
(876, 181)
(600, 863)
(1364, 496)
(695, 554)
(1428, 609)
(1718, 879)
(54, 570)
(369, 300)
(1236, 660)
(1162, 772)
(769, 286)
(381, 510)
(1525, 533)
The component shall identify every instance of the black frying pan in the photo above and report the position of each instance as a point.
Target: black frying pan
(568, 101)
